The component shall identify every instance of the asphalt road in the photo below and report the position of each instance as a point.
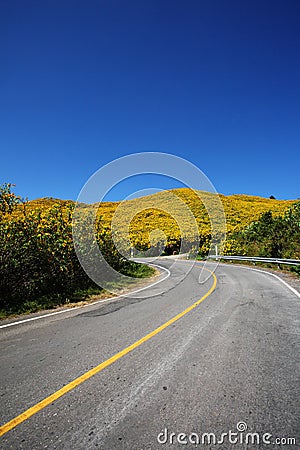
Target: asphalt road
(232, 359)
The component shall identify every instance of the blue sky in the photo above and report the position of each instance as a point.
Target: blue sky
(215, 82)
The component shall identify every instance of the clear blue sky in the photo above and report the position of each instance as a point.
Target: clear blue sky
(216, 82)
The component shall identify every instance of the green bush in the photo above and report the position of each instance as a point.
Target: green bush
(271, 236)
(38, 263)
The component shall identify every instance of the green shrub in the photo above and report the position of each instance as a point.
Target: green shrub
(38, 262)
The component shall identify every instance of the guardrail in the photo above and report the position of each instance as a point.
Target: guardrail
(254, 259)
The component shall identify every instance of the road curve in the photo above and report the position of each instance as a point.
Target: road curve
(233, 358)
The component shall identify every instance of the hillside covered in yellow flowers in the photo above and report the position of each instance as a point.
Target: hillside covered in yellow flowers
(163, 211)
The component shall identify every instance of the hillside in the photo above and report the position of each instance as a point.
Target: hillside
(144, 216)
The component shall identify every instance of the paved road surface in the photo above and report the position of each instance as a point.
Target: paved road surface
(233, 358)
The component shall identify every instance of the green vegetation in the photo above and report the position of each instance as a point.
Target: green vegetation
(8, 199)
(38, 264)
(296, 270)
(271, 236)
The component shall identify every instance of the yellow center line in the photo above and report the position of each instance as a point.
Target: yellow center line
(73, 384)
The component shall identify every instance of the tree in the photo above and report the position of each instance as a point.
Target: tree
(8, 199)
